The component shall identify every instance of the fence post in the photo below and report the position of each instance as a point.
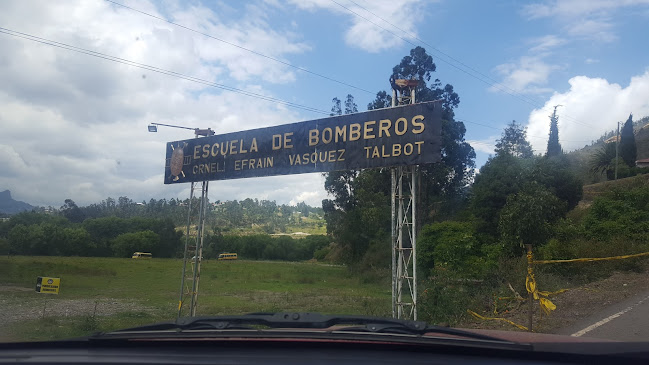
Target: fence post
(530, 295)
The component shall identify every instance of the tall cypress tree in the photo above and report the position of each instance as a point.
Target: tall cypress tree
(554, 147)
(628, 150)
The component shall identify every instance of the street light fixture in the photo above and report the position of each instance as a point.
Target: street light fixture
(153, 127)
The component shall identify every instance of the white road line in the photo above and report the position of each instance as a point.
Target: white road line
(608, 319)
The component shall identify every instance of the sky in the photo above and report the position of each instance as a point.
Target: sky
(73, 125)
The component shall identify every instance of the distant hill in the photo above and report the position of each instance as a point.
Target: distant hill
(10, 206)
(580, 158)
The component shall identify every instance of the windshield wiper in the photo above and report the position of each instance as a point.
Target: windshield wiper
(261, 321)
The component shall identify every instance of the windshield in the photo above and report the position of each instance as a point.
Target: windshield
(476, 165)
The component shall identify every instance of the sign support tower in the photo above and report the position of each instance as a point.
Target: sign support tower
(404, 218)
(193, 253)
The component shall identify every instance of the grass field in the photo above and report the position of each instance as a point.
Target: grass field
(101, 294)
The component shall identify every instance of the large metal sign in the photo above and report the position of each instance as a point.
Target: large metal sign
(406, 135)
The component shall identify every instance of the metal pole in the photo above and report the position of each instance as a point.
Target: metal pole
(530, 296)
(617, 141)
(400, 258)
(413, 238)
(199, 248)
(394, 241)
(182, 279)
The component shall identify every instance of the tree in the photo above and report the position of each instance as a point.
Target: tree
(502, 176)
(382, 100)
(335, 108)
(514, 141)
(603, 161)
(125, 244)
(71, 211)
(628, 150)
(554, 147)
(350, 105)
(528, 216)
(358, 217)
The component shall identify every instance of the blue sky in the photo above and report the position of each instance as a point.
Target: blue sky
(507, 60)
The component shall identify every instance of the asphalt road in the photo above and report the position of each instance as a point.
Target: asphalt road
(624, 321)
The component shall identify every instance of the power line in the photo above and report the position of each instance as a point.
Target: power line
(496, 84)
(245, 49)
(530, 136)
(156, 69)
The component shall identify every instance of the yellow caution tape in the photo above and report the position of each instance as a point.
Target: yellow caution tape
(496, 319)
(546, 304)
(592, 259)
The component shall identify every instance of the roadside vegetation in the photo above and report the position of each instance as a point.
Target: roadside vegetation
(104, 294)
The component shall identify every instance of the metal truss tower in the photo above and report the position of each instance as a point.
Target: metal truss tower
(404, 227)
(197, 211)
(193, 254)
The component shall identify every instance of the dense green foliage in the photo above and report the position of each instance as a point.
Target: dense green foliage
(358, 215)
(31, 233)
(628, 149)
(265, 247)
(514, 142)
(554, 147)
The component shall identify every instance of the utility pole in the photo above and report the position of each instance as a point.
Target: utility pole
(617, 142)
(193, 253)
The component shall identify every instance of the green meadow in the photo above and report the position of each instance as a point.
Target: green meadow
(103, 294)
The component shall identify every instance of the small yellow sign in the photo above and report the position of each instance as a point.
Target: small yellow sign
(48, 285)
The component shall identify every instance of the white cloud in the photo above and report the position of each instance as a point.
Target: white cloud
(487, 145)
(588, 19)
(590, 61)
(576, 8)
(365, 35)
(528, 75)
(591, 107)
(546, 43)
(74, 126)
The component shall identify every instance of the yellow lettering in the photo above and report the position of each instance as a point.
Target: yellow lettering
(404, 122)
(368, 130)
(326, 140)
(237, 165)
(419, 146)
(396, 150)
(196, 151)
(195, 170)
(269, 162)
(233, 147)
(405, 149)
(201, 169)
(354, 132)
(384, 126)
(340, 155)
(367, 152)
(314, 157)
(420, 125)
(313, 137)
(287, 140)
(332, 156)
(277, 141)
(383, 152)
(241, 150)
(251, 163)
(224, 148)
(253, 145)
(215, 149)
(375, 152)
(206, 150)
(341, 132)
(243, 163)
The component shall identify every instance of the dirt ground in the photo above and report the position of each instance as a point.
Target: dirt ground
(17, 308)
(572, 305)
